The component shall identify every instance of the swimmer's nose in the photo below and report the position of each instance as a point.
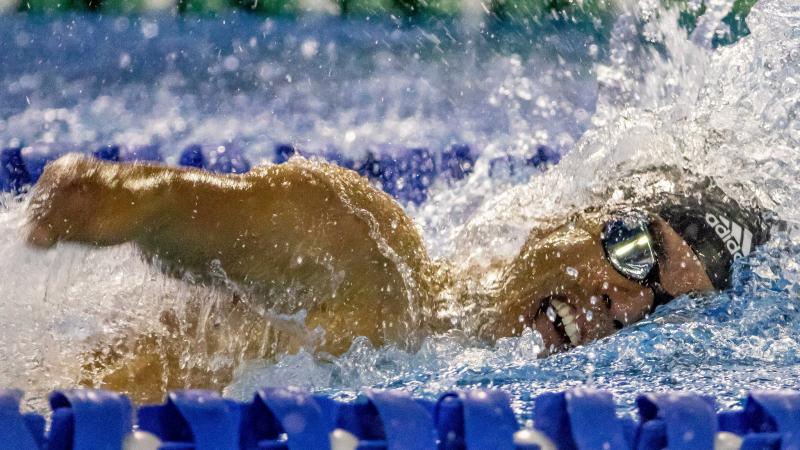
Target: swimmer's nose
(626, 300)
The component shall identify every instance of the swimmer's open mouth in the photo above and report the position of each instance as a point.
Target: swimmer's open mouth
(557, 322)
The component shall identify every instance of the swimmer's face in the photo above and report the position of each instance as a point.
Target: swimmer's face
(563, 285)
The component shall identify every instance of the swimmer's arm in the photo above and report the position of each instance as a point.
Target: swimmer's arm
(81, 199)
(185, 217)
(197, 348)
(257, 226)
(348, 247)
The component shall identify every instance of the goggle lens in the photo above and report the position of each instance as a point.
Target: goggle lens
(629, 246)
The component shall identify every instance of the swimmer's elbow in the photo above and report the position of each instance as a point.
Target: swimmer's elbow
(38, 236)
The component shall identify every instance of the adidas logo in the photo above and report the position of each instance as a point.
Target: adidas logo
(737, 239)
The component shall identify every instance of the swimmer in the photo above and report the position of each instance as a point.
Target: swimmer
(318, 243)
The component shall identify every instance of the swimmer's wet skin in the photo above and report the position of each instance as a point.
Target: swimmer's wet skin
(313, 237)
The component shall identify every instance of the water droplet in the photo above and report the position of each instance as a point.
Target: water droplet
(589, 316)
(571, 271)
(149, 29)
(551, 314)
(593, 299)
(124, 60)
(230, 63)
(309, 48)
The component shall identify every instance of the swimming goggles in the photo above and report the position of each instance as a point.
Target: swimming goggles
(631, 249)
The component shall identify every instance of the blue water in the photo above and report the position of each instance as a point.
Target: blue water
(627, 94)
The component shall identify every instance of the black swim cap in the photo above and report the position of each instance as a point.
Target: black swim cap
(718, 229)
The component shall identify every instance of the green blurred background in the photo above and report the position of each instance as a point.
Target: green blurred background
(509, 14)
(503, 10)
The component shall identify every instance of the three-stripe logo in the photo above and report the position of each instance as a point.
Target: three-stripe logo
(738, 240)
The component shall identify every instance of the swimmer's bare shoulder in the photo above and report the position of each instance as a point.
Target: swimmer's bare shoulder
(351, 254)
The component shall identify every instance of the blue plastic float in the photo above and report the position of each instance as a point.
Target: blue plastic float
(222, 159)
(406, 174)
(13, 173)
(579, 419)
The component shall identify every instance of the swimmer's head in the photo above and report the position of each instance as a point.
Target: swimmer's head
(570, 284)
(717, 228)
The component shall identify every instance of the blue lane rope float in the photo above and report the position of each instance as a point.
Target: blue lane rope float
(405, 174)
(24, 431)
(13, 173)
(147, 153)
(201, 418)
(221, 158)
(192, 156)
(107, 153)
(581, 419)
(283, 152)
(291, 419)
(88, 419)
(275, 411)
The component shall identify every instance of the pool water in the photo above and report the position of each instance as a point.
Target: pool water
(610, 96)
